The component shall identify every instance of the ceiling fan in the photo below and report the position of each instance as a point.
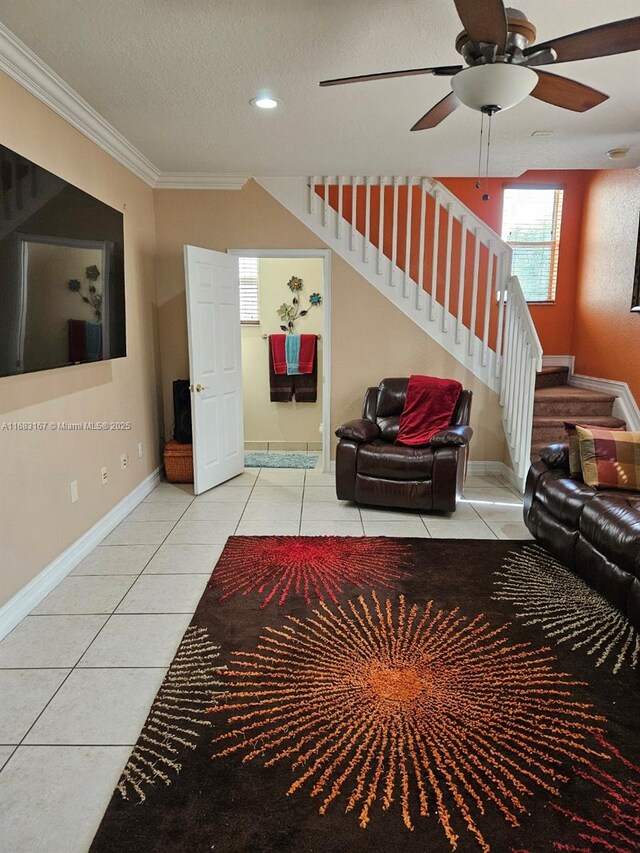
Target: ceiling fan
(503, 63)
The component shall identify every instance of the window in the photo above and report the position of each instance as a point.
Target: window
(531, 226)
(249, 301)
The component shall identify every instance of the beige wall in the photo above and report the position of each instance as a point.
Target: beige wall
(37, 519)
(264, 420)
(371, 339)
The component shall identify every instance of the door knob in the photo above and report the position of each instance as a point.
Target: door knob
(200, 387)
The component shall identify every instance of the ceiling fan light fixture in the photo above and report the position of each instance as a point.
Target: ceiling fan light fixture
(499, 85)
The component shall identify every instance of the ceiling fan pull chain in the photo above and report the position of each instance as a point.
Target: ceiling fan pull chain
(479, 181)
(485, 195)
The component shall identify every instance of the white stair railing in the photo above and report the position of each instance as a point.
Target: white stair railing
(440, 264)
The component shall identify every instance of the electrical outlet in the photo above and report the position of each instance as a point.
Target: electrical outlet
(103, 476)
(124, 461)
(139, 450)
(73, 486)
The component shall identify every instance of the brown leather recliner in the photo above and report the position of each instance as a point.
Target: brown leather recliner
(371, 469)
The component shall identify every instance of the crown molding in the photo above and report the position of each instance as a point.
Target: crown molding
(199, 181)
(21, 64)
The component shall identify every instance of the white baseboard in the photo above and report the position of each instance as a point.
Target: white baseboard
(625, 406)
(559, 361)
(32, 593)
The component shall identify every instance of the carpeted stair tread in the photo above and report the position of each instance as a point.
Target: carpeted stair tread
(571, 391)
(597, 420)
(569, 402)
(552, 377)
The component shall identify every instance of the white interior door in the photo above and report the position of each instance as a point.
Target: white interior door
(215, 363)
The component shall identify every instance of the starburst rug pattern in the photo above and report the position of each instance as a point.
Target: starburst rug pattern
(379, 698)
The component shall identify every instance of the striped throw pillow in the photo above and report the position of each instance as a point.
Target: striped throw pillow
(575, 465)
(610, 459)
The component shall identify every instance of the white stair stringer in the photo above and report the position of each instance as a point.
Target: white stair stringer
(388, 278)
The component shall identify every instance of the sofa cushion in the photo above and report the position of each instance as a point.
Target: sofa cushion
(575, 464)
(389, 427)
(563, 497)
(611, 524)
(391, 396)
(393, 462)
(610, 459)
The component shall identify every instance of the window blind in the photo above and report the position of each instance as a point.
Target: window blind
(249, 298)
(531, 221)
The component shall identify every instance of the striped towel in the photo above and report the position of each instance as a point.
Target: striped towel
(292, 350)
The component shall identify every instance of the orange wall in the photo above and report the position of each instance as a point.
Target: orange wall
(554, 322)
(606, 337)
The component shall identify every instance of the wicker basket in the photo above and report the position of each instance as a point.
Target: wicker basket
(178, 462)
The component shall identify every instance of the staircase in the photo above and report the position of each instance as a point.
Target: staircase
(443, 267)
(24, 189)
(555, 401)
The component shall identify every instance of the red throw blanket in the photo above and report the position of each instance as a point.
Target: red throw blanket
(307, 353)
(428, 408)
(278, 353)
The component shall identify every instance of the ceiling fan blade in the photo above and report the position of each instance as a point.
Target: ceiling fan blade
(438, 71)
(484, 21)
(566, 93)
(605, 40)
(438, 113)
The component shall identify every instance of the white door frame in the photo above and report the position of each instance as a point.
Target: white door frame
(325, 254)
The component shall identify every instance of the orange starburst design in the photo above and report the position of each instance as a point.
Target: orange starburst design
(308, 566)
(375, 703)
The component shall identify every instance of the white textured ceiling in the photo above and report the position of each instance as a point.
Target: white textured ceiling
(175, 78)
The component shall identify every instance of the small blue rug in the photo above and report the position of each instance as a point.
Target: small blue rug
(266, 459)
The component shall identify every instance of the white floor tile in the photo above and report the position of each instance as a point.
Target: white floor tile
(184, 559)
(479, 481)
(49, 641)
(25, 692)
(498, 511)
(98, 706)
(280, 477)
(319, 478)
(464, 512)
(212, 511)
(312, 494)
(246, 478)
(446, 529)
(148, 640)
(5, 754)
(491, 494)
(324, 511)
(286, 511)
(157, 511)
(225, 494)
(179, 492)
(164, 594)
(68, 791)
(85, 595)
(116, 560)
(268, 528)
(332, 528)
(201, 533)
(139, 533)
(395, 528)
(276, 494)
(510, 530)
(371, 514)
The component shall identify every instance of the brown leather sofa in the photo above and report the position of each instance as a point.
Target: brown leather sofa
(371, 469)
(595, 533)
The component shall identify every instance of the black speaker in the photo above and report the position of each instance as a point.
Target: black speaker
(182, 411)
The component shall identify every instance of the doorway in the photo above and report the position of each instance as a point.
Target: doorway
(295, 425)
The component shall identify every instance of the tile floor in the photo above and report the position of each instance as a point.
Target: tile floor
(78, 675)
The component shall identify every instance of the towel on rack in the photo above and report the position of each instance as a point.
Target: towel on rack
(306, 361)
(280, 385)
(277, 355)
(305, 385)
(85, 341)
(292, 351)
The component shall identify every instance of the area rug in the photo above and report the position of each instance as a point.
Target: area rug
(267, 459)
(342, 695)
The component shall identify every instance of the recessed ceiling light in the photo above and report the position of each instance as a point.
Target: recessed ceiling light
(617, 153)
(265, 102)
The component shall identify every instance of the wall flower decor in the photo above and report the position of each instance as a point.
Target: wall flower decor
(290, 312)
(93, 296)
